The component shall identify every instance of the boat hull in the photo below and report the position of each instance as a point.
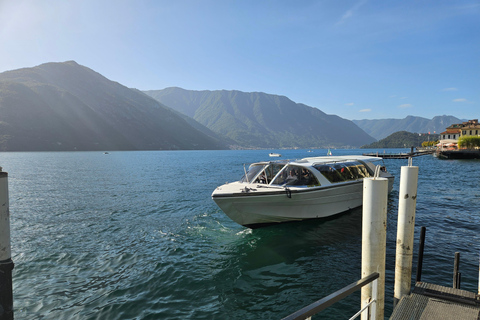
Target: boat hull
(255, 210)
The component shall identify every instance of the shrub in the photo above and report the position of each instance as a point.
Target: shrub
(469, 142)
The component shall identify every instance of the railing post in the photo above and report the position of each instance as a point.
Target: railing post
(373, 312)
(6, 264)
(456, 273)
(374, 233)
(420, 254)
(405, 231)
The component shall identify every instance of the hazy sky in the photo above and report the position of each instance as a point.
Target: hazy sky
(357, 59)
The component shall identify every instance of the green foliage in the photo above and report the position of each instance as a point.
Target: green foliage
(469, 142)
(426, 144)
(403, 139)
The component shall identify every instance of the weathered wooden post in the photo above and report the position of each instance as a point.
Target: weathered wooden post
(6, 263)
(374, 238)
(405, 231)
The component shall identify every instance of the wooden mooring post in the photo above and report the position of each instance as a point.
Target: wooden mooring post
(6, 263)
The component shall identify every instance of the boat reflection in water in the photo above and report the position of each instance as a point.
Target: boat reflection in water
(279, 191)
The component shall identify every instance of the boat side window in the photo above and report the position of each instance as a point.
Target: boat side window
(360, 170)
(273, 169)
(344, 171)
(252, 172)
(290, 176)
(365, 170)
(356, 171)
(329, 172)
(308, 179)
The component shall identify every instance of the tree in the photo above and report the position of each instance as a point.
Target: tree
(469, 142)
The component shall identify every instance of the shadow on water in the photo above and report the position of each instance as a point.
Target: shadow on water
(285, 267)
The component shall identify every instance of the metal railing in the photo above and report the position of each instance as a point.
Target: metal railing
(322, 304)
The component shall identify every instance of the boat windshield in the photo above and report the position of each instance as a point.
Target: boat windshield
(296, 176)
(343, 171)
(252, 172)
(263, 173)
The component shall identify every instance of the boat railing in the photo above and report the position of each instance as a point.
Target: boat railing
(320, 305)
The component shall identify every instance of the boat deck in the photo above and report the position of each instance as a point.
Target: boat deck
(431, 301)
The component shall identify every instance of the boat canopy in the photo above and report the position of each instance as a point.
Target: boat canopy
(308, 172)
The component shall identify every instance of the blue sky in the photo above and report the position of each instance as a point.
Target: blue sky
(356, 59)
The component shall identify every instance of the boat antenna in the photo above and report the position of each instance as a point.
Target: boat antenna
(245, 170)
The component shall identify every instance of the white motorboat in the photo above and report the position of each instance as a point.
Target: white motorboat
(279, 191)
(272, 154)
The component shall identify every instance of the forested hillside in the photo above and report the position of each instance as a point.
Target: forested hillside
(402, 139)
(263, 120)
(381, 128)
(65, 106)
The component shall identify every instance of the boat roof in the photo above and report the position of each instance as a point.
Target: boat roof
(325, 159)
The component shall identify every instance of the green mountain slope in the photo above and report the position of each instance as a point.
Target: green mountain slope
(263, 120)
(402, 139)
(65, 106)
(382, 128)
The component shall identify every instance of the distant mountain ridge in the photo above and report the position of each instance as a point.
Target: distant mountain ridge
(66, 106)
(402, 139)
(263, 120)
(382, 128)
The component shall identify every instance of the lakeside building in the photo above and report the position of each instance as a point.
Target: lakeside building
(449, 138)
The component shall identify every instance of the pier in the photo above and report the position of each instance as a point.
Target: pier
(401, 155)
(458, 154)
(426, 301)
(430, 301)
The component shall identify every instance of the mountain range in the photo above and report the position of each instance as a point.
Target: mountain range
(263, 120)
(380, 129)
(66, 106)
(403, 139)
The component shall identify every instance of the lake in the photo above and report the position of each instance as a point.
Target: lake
(136, 235)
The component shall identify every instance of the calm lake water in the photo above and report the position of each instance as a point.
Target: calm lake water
(135, 235)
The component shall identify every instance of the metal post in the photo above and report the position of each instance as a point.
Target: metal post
(373, 312)
(456, 274)
(405, 231)
(6, 264)
(374, 234)
(420, 254)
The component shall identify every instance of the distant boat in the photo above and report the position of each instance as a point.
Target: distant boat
(272, 154)
(105, 152)
(329, 153)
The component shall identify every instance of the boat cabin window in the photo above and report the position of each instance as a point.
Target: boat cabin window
(329, 172)
(262, 173)
(270, 171)
(358, 170)
(296, 176)
(343, 171)
(252, 172)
